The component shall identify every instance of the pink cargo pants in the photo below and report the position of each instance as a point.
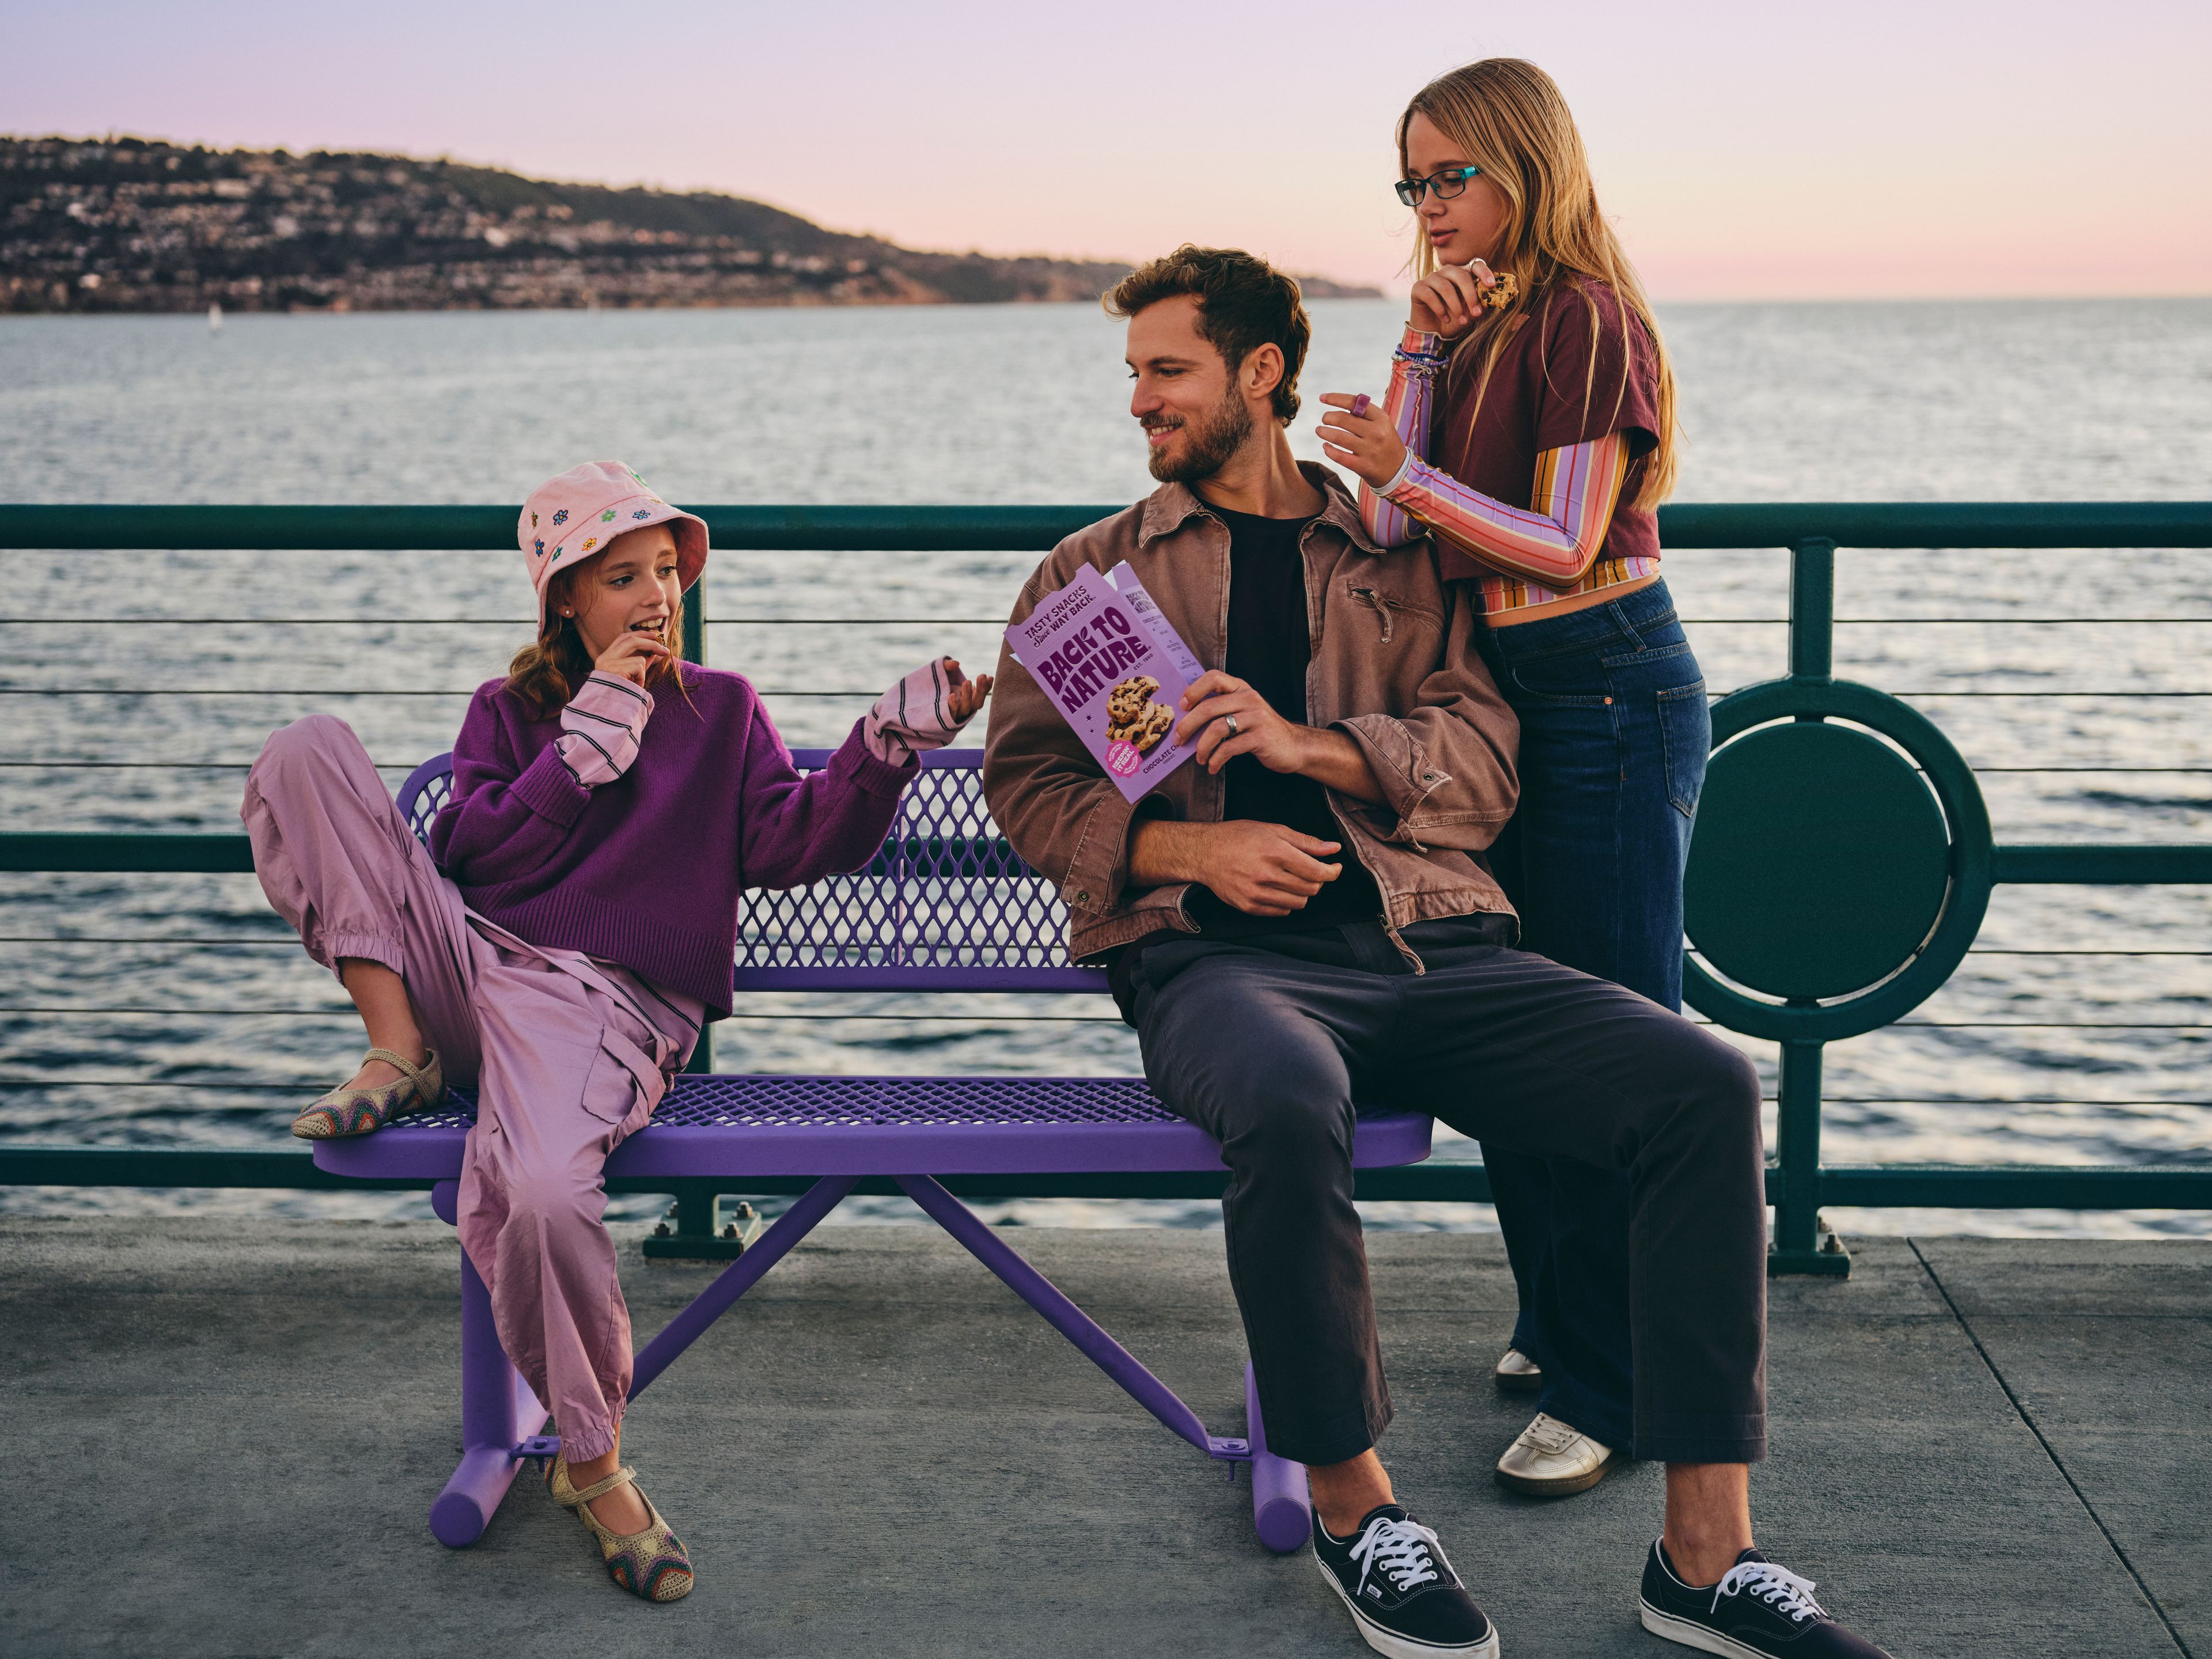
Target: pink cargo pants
(569, 1057)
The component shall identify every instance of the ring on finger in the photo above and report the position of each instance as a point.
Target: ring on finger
(1230, 720)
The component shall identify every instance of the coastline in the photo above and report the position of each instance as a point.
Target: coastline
(132, 226)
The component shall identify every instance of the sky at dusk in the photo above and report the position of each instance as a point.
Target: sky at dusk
(1880, 149)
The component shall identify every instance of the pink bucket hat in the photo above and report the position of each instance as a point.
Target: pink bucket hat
(572, 518)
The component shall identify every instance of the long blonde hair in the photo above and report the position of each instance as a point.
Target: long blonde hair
(1510, 119)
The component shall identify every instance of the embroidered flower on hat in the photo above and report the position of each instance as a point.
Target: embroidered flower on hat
(607, 517)
(540, 545)
(592, 543)
(642, 513)
(561, 516)
(557, 552)
(533, 521)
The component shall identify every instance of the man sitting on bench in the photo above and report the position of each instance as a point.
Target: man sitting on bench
(1298, 919)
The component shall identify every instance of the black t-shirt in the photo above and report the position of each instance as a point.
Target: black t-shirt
(1270, 648)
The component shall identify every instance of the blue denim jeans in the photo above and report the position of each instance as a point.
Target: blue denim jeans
(1614, 732)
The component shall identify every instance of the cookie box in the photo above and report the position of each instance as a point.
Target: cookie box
(1110, 662)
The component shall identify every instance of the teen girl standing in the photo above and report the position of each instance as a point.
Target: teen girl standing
(1530, 426)
(575, 931)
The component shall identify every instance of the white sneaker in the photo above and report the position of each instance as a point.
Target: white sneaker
(1553, 1459)
(1518, 1373)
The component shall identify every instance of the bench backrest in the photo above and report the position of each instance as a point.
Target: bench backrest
(946, 905)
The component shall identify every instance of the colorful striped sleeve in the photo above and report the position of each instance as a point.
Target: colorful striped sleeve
(601, 728)
(1554, 543)
(1413, 385)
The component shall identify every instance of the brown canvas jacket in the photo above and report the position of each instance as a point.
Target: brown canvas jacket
(1394, 665)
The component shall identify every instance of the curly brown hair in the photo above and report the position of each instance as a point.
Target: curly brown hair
(545, 673)
(1244, 303)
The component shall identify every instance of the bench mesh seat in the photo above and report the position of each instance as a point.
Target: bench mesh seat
(789, 1103)
(734, 1127)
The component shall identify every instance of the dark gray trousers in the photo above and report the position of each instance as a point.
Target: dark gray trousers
(1266, 1042)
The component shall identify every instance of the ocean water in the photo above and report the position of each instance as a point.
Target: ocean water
(2084, 1014)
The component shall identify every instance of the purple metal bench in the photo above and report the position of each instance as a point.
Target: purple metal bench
(945, 906)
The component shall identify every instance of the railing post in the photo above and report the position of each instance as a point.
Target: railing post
(694, 623)
(1813, 609)
(1801, 1245)
(694, 650)
(701, 1061)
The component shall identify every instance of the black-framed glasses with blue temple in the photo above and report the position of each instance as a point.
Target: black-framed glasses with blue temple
(1447, 182)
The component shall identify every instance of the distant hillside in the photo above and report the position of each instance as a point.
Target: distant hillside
(134, 224)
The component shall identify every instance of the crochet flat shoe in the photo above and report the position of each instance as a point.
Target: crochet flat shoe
(346, 1112)
(650, 1564)
(561, 1489)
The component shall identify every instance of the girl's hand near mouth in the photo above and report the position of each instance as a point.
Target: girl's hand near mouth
(1362, 441)
(631, 654)
(1447, 302)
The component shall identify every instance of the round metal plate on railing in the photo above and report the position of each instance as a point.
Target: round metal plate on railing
(1820, 861)
(1841, 873)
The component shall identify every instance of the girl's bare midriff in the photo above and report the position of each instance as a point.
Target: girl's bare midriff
(1572, 602)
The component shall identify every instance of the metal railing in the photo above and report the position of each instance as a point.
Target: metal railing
(1970, 860)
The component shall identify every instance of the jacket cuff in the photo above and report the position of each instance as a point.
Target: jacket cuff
(1100, 869)
(550, 789)
(1419, 344)
(853, 762)
(1400, 765)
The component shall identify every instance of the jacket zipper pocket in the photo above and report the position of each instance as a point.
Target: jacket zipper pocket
(1382, 603)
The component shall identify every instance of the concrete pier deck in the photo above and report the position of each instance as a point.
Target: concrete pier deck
(231, 1431)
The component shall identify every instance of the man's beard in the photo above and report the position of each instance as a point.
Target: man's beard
(1207, 443)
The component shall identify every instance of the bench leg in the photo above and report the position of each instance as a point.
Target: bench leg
(498, 1412)
(1064, 1317)
(1282, 1511)
(740, 1276)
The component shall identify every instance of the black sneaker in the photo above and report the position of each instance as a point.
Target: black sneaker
(1403, 1595)
(1757, 1611)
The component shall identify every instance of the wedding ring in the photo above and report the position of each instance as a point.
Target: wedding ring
(1230, 720)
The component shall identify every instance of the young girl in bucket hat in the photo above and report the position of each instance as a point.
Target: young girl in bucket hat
(571, 930)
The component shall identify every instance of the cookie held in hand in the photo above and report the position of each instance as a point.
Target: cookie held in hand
(1502, 293)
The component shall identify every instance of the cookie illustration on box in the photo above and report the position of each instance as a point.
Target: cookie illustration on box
(1148, 726)
(1124, 701)
(1132, 716)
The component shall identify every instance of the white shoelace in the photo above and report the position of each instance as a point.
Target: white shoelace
(1401, 1549)
(1549, 1436)
(1779, 1587)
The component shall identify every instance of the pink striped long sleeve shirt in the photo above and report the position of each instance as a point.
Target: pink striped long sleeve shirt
(1528, 555)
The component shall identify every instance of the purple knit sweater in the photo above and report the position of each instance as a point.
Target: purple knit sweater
(646, 871)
